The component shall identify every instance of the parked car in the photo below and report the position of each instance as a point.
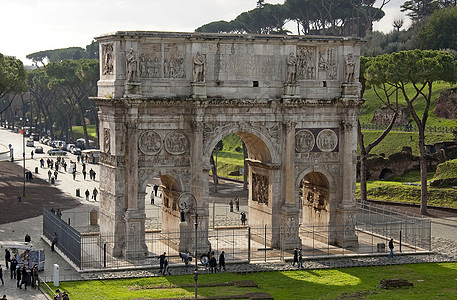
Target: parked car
(30, 143)
(76, 151)
(70, 146)
(56, 151)
(38, 149)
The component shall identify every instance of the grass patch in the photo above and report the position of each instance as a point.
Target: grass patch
(78, 131)
(431, 281)
(446, 170)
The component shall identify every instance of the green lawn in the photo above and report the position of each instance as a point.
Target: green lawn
(431, 281)
(79, 131)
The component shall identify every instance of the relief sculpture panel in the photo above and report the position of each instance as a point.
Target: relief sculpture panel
(176, 143)
(304, 141)
(150, 60)
(173, 63)
(150, 142)
(328, 67)
(260, 188)
(327, 140)
(306, 63)
(108, 59)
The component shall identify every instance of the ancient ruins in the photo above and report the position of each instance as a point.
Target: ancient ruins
(166, 99)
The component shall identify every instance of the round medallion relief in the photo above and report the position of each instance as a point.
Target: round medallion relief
(304, 141)
(327, 140)
(176, 143)
(150, 142)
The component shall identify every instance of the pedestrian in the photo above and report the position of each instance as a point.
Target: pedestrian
(243, 218)
(18, 277)
(152, 197)
(84, 167)
(27, 238)
(4, 297)
(56, 173)
(295, 256)
(31, 154)
(165, 267)
(49, 175)
(391, 247)
(161, 262)
(25, 278)
(78, 158)
(300, 259)
(1, 275)
(94, 194)
(222, 261)
(237, 203)
(58, 295)
(59, 213)
(54, 242)
(84, 174)
(74, 173)
(65, 296)
(42, 163)
(35, 279)
(93, 174)
(185, 258)
(13, 266)
(7, 257)
(231, 205)
(156, 188)
(212, 263)
(65, 166)
(87, 194)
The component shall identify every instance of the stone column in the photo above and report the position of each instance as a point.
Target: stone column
(346, 210)
(134, 216)
(290, 237)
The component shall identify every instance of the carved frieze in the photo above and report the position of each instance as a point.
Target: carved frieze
(316, 157)
(176, 143)
(260, 188)
(112, 160)
(327, 140)
(290, 227)
(306, 67)
(163, 161)
(304, 141)
(328, 67)
(150, 142)
(106, 140)
(150, 60)
(108, 59)
(173, 63)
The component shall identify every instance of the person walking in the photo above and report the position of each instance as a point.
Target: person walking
(222, 261)
(49, 175)
(165, 267)
(18, 277)
(27, 238)
(231, 205)
(212, 264)
(295, 256)
(87, 194)
(1, 275)
(35, 280)
(94, 194)
(300, 259)
(243, 218)
(74, 173)
(7, 257)
(84, 174)
(13, 265)
(31, 154)
(391, 247)
(237, 203)
(25, 278)
(54, 242)
(162, 258)
(56, 173)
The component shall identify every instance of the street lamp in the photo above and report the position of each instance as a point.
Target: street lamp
(185, 205)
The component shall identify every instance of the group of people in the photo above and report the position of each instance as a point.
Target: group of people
(235, 201)
(298, 258)
(208, 260)
(94, 194)
(21, 273)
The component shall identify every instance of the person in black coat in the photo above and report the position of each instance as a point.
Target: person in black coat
(391, 247)
(222, 261)
(162, 261)
(7, 257)
(13, 265)
(18, 277)
(212, 264)
(25, 278)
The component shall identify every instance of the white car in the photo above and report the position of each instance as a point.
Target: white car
(30, 143)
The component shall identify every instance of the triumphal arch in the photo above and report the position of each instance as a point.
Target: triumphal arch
(166, 99)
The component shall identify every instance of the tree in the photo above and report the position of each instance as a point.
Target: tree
(388, 95)
(12, 79)
(213, 163)
(440, 32)
(418, 69)
(216, 27)
(418, 10)
(398, 22)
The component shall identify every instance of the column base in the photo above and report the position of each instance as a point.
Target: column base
(135, 246)
(198, 90)
(345, 228)
(132, 89)
(291, 90)
(290, 230)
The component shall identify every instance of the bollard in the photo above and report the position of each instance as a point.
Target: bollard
(78, 193)
(56, 275)
(36, 170)
(93, 217)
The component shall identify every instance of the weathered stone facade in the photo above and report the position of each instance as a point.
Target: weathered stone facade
(166, 99)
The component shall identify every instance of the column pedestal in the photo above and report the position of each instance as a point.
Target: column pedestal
(290, 231)
(132, 89)
(291, 90)
(198, 90)
(345, 228)
(135, 246)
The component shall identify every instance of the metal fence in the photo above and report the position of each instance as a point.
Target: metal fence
(69, 239)
(410, 128)
(375, 226)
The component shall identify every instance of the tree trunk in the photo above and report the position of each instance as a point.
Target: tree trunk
(246, 167)
(423, 168)
(83, 119)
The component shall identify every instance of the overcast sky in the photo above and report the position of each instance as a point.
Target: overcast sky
(28, 26)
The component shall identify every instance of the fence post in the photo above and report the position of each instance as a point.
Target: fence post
(104, 255)
(265, 251)
(249, 243)
(400, 238)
